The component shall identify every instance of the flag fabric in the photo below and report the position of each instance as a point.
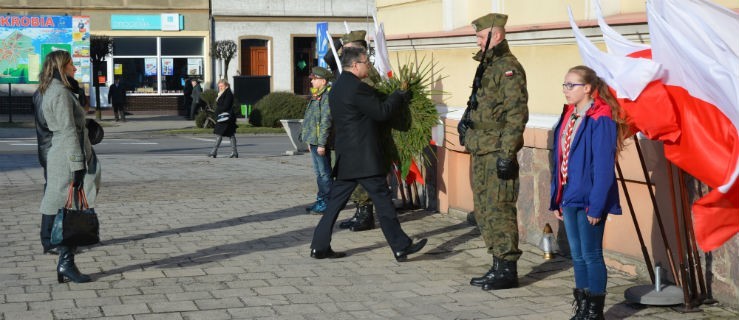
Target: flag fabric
(382, 59)
(691, 104)
(690, 39)
(414, 174)
(616, 43)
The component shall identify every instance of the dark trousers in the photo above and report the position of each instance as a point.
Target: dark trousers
(380, 194)
(118, 109)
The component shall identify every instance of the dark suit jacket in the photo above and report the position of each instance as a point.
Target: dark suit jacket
(117, 94)
(357, 113)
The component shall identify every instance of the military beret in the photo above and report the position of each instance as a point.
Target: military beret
(356, 35)
(321, 73)
(490, 20)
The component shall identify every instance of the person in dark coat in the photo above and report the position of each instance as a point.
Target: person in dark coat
(225, 119)
(117, 97)
(187, 98)
(197, 90)
(357, 113)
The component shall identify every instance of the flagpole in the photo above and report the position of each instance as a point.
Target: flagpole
(333, 51)
(643, 246)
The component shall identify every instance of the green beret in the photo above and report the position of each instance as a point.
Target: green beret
(356, 35)
(321, 73)
(490, 20)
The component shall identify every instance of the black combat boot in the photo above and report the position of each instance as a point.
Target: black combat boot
(66, 267)
(479, 281)
(348, 223)
(505, 277)
(365, 219)
(214, 152)
(596, 303)
(47, 223)
(580, 304)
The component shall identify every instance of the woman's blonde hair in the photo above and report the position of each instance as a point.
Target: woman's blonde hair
(599, 88)
(55, 62)
(224, 82)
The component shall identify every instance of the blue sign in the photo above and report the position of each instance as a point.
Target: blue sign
(322, 43)
(145, 22)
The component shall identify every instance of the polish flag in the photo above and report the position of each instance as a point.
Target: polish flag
(382, 58)
(692, 106)
(692, 41)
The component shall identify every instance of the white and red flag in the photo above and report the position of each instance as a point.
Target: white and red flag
(693, 103)
(692, 40)
(382, 58)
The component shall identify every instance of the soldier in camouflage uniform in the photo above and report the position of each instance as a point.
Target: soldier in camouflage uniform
(316, 133)
(494, 138)
(363, 218)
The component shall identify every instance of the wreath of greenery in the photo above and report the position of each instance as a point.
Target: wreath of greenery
(411, 130)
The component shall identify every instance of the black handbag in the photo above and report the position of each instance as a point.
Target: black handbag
(95, 131)
(76, 227)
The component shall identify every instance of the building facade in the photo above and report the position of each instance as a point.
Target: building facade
(539, 35)
(157, 45)
(277, 39)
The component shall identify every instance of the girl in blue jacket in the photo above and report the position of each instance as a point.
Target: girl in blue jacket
(584, 190)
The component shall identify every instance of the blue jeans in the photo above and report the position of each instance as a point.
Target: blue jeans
(322, 168)
(586, 244)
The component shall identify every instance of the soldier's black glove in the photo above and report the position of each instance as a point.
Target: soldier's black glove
(462, 128)
(507, 168)
(79, 178)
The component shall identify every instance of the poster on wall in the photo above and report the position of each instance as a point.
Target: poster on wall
(167, 66)
(118, 69)
(194, 66)
(150, 66)
(25, 41)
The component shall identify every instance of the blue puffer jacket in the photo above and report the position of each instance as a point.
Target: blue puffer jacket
(591, 177)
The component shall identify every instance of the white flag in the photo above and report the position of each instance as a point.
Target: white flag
(615, 42)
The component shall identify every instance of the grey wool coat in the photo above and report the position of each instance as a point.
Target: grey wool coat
(70, 148)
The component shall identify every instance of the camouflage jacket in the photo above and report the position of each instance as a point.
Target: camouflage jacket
(502, 112)
(317, 120)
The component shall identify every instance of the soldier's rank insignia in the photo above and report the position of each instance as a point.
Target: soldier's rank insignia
(509, 73)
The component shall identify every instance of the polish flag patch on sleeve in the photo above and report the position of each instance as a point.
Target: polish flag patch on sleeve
(509, 73)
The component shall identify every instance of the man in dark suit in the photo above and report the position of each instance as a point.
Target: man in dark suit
(356, 112)
(117, 97)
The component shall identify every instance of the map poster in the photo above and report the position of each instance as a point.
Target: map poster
(25, 41)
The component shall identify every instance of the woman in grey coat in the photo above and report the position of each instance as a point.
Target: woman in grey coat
(70, 159)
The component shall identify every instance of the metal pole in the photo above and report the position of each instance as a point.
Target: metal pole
(10, 104)
(681, 257)
(657, 213)
(693, 258)
(644, 251)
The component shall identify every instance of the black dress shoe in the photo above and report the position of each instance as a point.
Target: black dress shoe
(330, 254)
(412, 248)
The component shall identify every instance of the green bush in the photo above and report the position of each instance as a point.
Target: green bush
(268, 111)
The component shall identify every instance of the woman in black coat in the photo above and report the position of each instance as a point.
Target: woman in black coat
(225, 119)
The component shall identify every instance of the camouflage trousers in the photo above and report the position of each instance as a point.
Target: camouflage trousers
(360, 196)
(495, 208)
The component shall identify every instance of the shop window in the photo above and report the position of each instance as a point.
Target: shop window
(135, 46)
(176, 71)
(138, 75)
(182, 46)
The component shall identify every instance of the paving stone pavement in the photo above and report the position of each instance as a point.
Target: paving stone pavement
(188, 237)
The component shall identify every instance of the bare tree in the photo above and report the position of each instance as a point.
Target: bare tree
(100, 47)
(224, 50)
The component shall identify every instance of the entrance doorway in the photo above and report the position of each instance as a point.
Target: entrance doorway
(254, 57)
(304, 58)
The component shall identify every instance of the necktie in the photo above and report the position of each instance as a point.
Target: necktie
(566, 147)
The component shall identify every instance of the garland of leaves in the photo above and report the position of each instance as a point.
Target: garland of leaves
(411, 131)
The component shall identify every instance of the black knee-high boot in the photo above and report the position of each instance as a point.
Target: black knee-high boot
(66, 267)
(596, 302)
(234, 153)
(214, 152)
(365, 219)
(47, 223)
